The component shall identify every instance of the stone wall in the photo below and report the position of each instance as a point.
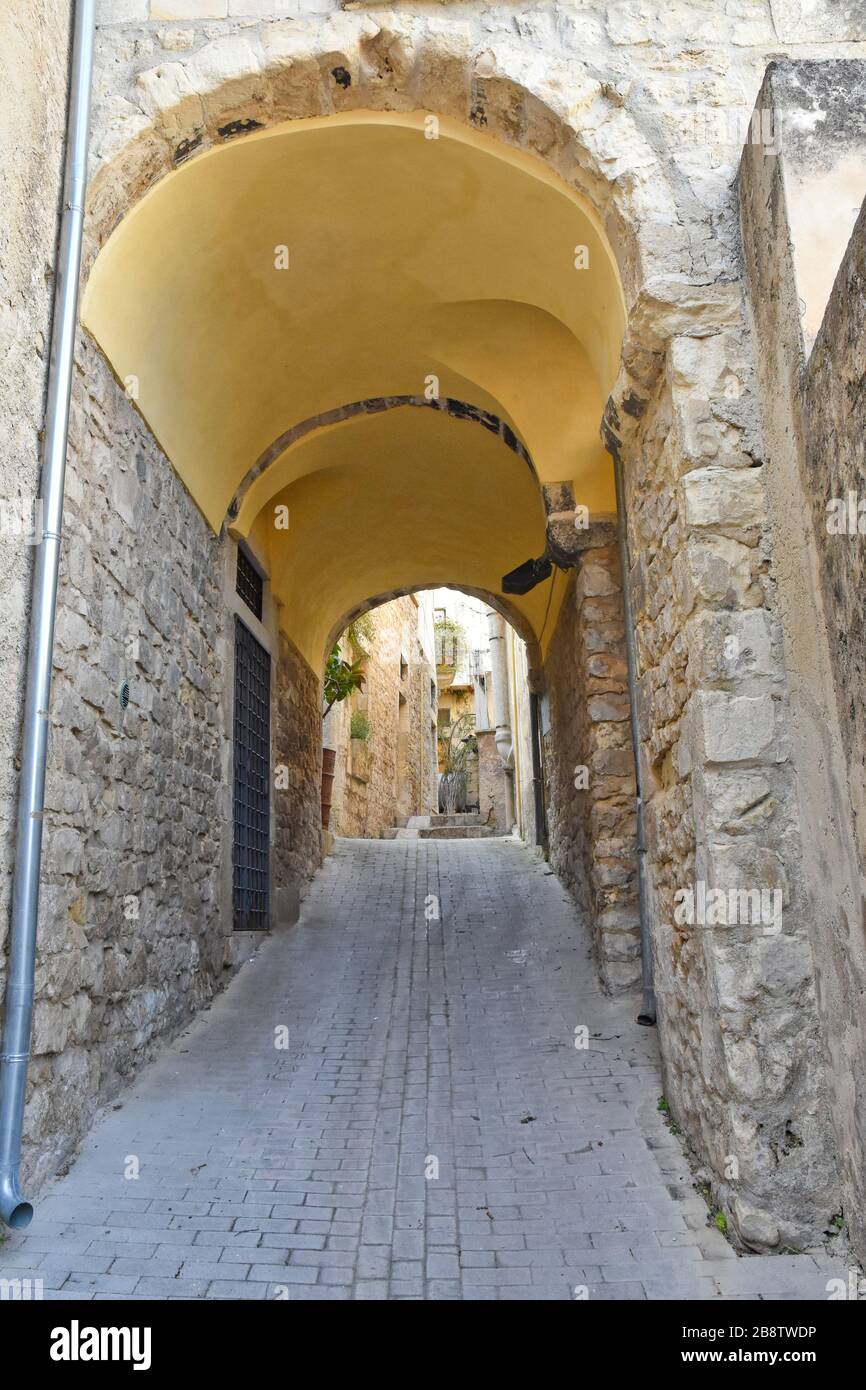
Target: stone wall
(590, 764)
(34, 43)
(417, 766)
(616, 98)
(813, 437)
(297, 744)
(835, 474)
(392, 773)
(835, 470)
(131, 935)
(492, 800)
(741, 1043)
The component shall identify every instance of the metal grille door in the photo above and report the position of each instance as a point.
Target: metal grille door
(252, 759)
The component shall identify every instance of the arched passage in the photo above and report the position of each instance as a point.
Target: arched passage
(355, 259)
(380, 366)
(679, 414)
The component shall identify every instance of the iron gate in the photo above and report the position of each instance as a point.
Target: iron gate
(252, 760)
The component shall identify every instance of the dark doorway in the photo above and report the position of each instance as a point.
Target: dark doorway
(252, 758)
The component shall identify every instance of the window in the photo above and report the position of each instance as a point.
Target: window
(249, 584)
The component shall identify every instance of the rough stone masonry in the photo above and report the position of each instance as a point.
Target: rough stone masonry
(622, 100)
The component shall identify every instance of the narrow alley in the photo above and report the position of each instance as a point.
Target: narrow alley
(430, 1126)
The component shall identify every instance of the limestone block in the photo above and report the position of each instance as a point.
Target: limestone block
(38, 1108)
(735, 802)
(72, 631)
(595, 581)
(698, 365)
(602, 708)
(50, 1027)
(607, 666)
(227, 75)
(124, 496)
(756, 1228)
(746, 865)
(167, 91)
(118, 124)
(724, 498)
(59, 976)
(620, 946)
(91, 969)
(612, 762)
(566, 541)
(621, 975)
(606, 874)
(733, 728)
(715, 570)
(731, 647)
(64, 851)
(79, 1012)
(177, 40)
(819, 21)
(743, 1066)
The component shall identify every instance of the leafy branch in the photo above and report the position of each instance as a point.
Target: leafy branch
(341, 679)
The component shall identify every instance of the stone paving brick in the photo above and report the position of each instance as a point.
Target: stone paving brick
(226, 1288)
(432, 1132)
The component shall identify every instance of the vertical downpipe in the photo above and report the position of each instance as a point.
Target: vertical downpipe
(647, 1015)
(15, 1211)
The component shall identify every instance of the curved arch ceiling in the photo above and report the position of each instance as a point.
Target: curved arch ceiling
(408, 258)
(357, 493)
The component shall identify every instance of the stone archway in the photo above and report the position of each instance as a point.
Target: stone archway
(682, 417)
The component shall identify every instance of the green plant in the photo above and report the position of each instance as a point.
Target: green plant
(663, 1105)
(721, 1221)
(450, 640)
(458, 745)
(359, 726)
(341, 678)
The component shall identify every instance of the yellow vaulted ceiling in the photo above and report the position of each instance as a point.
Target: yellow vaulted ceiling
(408, 258)
(422, 498)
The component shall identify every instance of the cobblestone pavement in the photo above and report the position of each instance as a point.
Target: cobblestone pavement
(431, 1130)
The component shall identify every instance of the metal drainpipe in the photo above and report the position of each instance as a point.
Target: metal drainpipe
(647, 1015)
(14, 1209)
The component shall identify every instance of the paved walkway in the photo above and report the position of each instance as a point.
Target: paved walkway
(431, 1131)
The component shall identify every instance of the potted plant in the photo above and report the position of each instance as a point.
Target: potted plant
(458, 748)
(450, 640)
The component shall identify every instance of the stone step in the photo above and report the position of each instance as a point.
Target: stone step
(456, 832)
(464, 825)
